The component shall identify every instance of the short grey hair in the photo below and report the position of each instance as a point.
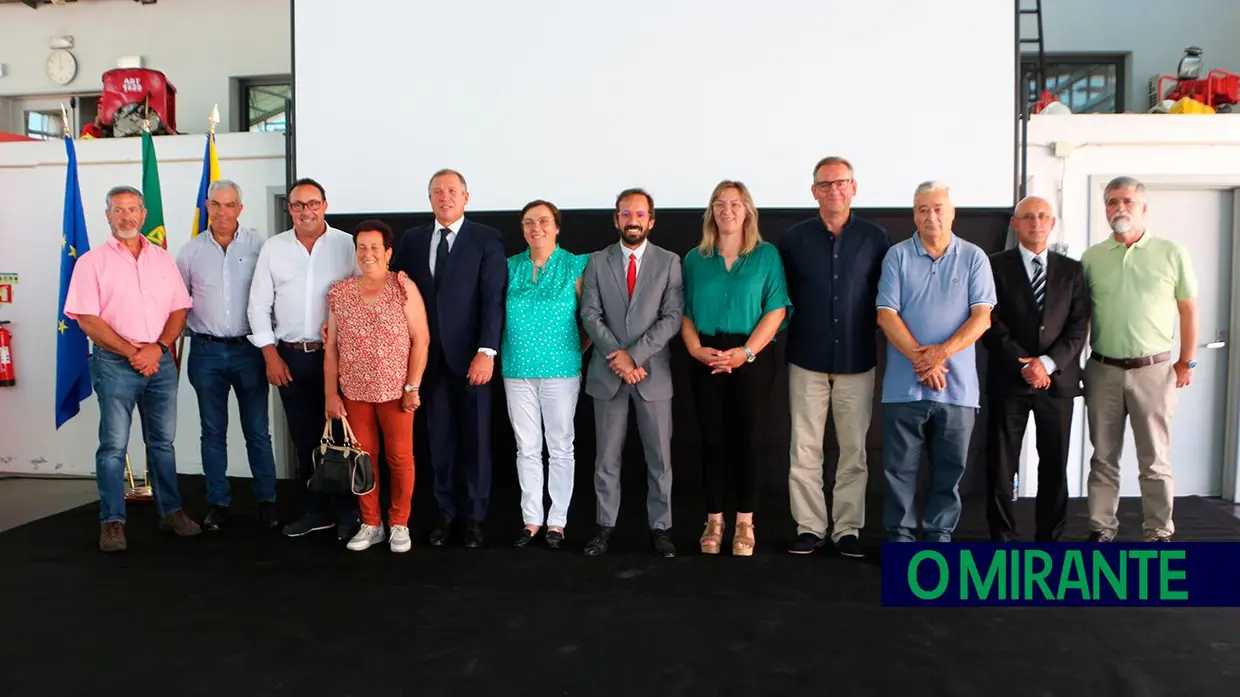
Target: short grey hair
(1124, 183)
(123, 190)
(442, 172)
(832, 160)
(933, 185)
(223, 184)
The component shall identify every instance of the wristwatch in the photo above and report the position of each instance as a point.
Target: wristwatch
(1192, 364)
(749, 357)
(410, 388)
(162, 347)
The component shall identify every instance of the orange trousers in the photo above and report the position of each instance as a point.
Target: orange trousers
(367, 420)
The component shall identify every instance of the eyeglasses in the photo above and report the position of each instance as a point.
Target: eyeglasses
(297, 206)
(545, 221)
(832, 184)
(724, 205)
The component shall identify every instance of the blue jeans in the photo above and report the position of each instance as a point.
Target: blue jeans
(213, 369)
(119, 389)
(942, 431)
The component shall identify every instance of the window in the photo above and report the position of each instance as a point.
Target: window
(262, 103)
(1085, 83)
(44, 125)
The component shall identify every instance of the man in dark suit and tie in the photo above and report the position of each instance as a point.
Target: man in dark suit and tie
(460, 270)
(632, 304)
(1037, 332)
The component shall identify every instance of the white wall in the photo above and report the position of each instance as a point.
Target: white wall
(1189, 147)
(1156, 32)
(32, 177)
(575, 101)
(198, 44)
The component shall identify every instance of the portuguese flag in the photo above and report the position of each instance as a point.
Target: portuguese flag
(154, 227)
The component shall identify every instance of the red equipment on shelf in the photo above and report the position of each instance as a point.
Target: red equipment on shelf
(1219, 89)
(131, 95)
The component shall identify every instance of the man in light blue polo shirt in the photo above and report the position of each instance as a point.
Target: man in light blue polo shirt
(934, 301)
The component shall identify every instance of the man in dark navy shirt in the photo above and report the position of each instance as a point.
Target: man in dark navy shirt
(833, 262)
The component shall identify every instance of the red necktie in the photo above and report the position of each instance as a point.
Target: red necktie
(632, 276)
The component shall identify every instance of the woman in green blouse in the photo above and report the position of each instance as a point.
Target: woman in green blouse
(540, 355)
(736, 299)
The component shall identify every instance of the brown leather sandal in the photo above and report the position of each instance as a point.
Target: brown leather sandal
(712, 538)
(743, 541)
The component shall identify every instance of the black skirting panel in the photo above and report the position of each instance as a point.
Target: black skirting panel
(679, 230)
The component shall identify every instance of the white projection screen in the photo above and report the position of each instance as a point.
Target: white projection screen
(573, 101)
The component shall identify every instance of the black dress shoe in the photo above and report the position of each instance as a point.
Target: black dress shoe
(663, 543)
(473, 534)
(439, 536)
(268, 515)
(598, 545)
(217, 517)
(554, 539)
(524, 538)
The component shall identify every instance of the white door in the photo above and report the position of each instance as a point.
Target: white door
(1203, 221)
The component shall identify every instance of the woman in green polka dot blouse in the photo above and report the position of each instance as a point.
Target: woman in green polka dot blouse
(540, 357)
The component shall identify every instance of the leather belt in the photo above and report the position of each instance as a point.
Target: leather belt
(1131, 363)
(221, 339)
(303, 346)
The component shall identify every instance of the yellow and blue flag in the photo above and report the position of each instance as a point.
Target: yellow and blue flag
(210, 172)
(72, 347)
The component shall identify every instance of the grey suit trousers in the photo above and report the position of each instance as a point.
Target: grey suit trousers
(654, 424)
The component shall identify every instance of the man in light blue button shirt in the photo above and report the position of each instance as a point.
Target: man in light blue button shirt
(934, 301)
(217, 267)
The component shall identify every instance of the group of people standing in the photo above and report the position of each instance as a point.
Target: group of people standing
(358, 327)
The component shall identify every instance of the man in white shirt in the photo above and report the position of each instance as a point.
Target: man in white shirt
(287, 309)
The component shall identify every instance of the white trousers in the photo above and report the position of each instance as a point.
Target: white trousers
(543, 408)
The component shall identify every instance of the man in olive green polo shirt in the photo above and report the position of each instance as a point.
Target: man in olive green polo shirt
(1140, 286)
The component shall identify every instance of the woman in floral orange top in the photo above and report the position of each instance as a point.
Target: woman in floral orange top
(377, 341)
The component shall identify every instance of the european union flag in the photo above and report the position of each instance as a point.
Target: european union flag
(72, 346)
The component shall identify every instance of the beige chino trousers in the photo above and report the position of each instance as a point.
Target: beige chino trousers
(810, 394)
(1147, 397)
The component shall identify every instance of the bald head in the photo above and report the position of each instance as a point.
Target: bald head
(1033, 221)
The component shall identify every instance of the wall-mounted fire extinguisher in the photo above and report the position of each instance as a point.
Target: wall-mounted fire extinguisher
(8, 376)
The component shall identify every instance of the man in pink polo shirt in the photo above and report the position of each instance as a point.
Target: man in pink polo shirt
(128, 296)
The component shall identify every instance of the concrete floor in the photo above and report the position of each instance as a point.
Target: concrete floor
(23, 500)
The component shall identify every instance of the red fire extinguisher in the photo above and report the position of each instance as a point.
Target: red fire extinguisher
(8, 376)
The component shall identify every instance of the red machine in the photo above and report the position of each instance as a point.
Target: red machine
(1218, 90)
(131, 95)
(8, 376)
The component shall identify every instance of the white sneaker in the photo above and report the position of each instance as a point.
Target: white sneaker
(366, 536)
(400, 539)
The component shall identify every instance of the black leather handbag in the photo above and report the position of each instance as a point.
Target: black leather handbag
(343, 468)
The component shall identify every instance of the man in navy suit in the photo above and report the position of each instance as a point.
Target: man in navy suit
(460, 270)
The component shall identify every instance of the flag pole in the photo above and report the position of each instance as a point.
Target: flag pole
(212, 120)
(64, 121)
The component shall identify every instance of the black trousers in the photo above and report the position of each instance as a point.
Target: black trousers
(458, 421)
(305, 407)
(731, 410)
(1009, 415)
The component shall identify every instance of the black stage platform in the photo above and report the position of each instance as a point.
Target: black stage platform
(247, 612)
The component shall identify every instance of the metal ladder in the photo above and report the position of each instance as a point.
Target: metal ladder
(1033, 9)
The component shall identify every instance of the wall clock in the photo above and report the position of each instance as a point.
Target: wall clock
(61, 67)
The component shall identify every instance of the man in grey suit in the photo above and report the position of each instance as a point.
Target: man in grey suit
(632, 304)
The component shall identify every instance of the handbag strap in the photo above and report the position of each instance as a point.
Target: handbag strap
(350, 439)
(326, 440)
